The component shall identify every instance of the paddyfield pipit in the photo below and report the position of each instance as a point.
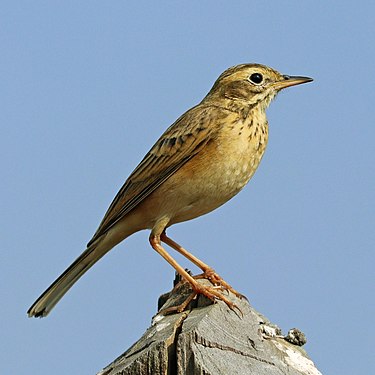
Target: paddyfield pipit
(200, 162)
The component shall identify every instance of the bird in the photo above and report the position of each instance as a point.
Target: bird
(199, 163)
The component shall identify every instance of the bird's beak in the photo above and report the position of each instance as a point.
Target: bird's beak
(288, 81)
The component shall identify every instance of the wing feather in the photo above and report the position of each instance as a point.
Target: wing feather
(180, 142)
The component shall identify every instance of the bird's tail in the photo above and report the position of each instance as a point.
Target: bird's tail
(45, 303)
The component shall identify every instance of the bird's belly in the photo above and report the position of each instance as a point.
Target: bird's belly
(204, 189)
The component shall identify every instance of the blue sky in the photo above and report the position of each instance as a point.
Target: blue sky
(87, 87)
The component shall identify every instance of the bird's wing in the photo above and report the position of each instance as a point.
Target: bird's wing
(179, 143)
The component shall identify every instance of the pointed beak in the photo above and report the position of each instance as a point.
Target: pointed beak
(291, 81)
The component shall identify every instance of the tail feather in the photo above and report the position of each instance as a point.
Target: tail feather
(45, 303)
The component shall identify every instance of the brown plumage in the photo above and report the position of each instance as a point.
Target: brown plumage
(200, 162)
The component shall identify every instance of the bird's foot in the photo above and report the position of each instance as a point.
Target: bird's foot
(218, 282)
(212, 293)
(215, 293)
(179, 308)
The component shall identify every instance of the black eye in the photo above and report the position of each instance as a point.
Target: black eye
(256, 78)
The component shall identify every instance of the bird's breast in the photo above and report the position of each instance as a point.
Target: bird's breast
(240, 149)
(219, 171)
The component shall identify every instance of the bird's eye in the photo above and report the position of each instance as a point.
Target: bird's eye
(256, 78)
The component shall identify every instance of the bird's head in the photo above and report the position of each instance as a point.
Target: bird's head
(250, 85)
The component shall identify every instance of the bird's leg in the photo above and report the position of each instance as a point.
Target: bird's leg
(208, 272)
(209, 292)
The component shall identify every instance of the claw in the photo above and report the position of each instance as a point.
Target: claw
(180, 308)
(213, 294)
(218, 282)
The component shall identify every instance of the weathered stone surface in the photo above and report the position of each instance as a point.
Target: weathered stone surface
(211, 339)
